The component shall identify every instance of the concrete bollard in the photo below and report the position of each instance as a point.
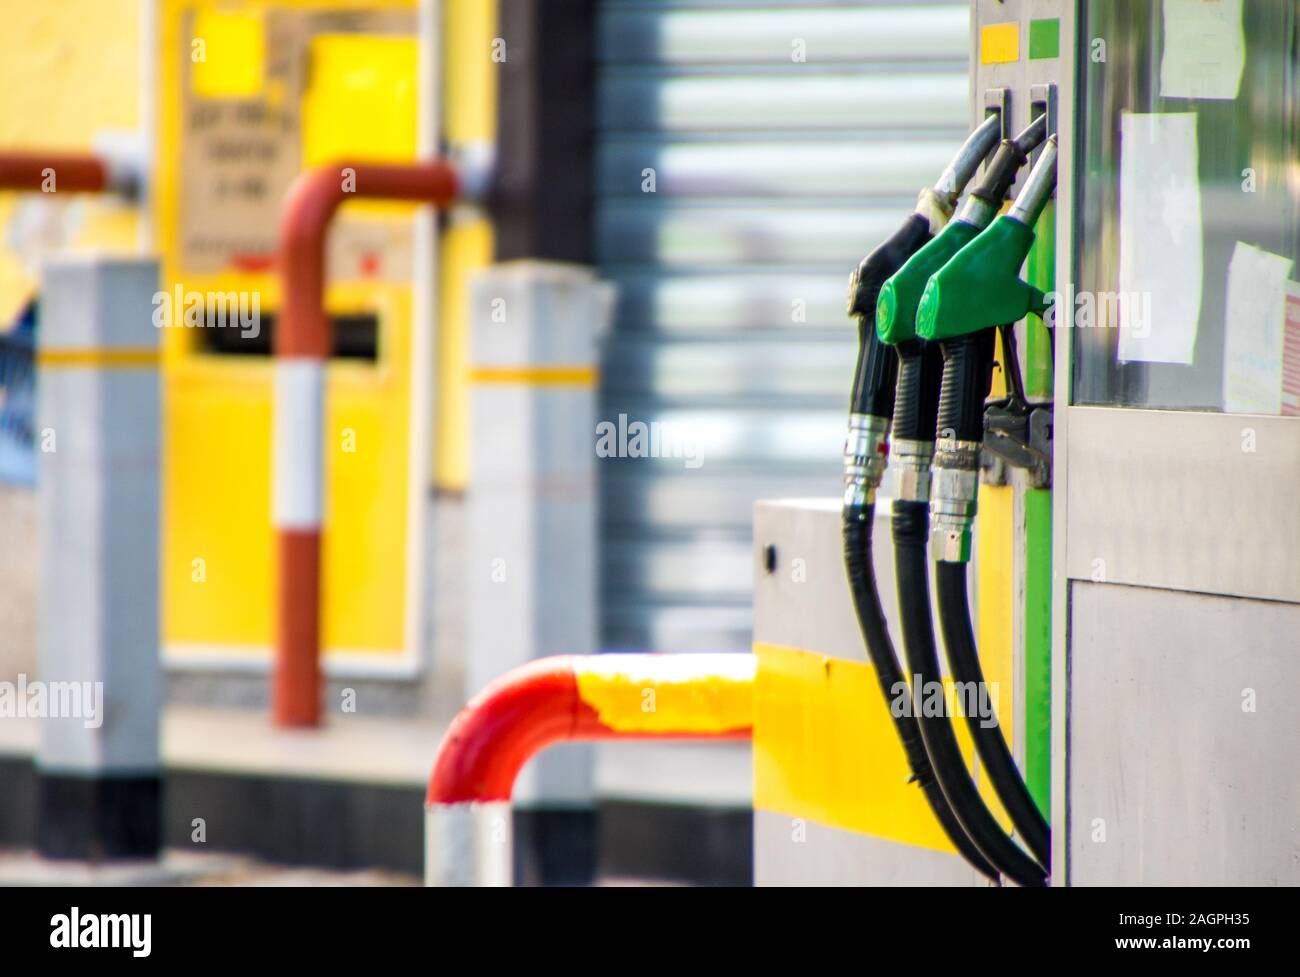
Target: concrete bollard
(531, 519)
(97, 435)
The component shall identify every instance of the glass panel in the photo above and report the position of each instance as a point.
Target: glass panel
(1245, 154)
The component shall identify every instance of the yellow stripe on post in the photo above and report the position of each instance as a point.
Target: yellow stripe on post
(1000, 43)
(536, 376)
(702, 693)
(123, 358)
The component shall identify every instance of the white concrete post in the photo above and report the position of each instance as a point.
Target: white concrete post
(97, 437)
(532, 497)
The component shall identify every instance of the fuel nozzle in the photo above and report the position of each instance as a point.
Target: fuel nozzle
(900, 296)
(872, 401)
(871, 405)
(935, 203)
(920, 364)
(979, 288)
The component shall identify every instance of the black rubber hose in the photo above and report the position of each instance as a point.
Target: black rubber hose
(967, 376)
(963, 660)
(873, 394)
(911, 528)
(875, 633)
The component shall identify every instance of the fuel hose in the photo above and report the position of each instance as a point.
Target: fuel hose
(866, 450)
(963, 304)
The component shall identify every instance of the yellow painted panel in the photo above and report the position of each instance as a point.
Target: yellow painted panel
(998, 389)
(367, 477)
(228, 51)
(1000, 43)
(825, 749)
(361, 102)
(217, 425)
(217, 489)
(995, 613)
(217, 503)
(470, 86)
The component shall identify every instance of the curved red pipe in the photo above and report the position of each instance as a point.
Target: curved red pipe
(309, 207)
(303, 331)
(515, 718)
(75, 172)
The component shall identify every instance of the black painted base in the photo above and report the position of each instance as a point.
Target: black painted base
(351, 825)
(97, 818)
(554, 847)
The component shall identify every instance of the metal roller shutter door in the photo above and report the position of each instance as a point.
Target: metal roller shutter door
(772, 178)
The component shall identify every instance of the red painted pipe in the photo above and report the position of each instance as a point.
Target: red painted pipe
(308, 209)
(515, 718)
(71, 172)
(302, 345)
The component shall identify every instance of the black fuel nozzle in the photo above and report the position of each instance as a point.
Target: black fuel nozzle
(871, 404)
(873, 382)
(872, 401)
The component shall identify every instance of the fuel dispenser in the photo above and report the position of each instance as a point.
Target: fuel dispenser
(1069, 386)
(945, 410)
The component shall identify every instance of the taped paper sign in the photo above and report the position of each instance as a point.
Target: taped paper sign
(1159, 238)
(1204, 51)
(1291, 352)
(1253, 329)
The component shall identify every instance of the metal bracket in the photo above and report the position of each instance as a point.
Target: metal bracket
(1042, 99)
(999, 100)
(1020, 435)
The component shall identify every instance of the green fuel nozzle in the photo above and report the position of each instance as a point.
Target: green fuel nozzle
(933, 207)
(899, 297)
(978, 289)
(871, 406)
(980, 286)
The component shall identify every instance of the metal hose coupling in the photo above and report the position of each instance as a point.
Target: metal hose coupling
(866, 452)
(954, 488)
(912, 462)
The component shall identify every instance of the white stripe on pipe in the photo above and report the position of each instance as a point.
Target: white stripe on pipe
(468, 844)
(299, 435)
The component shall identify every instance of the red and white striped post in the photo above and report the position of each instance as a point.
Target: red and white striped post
(302, 347)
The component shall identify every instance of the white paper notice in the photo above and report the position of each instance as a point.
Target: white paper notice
(1159, 237)
(1253, 328)
(1205, 49)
